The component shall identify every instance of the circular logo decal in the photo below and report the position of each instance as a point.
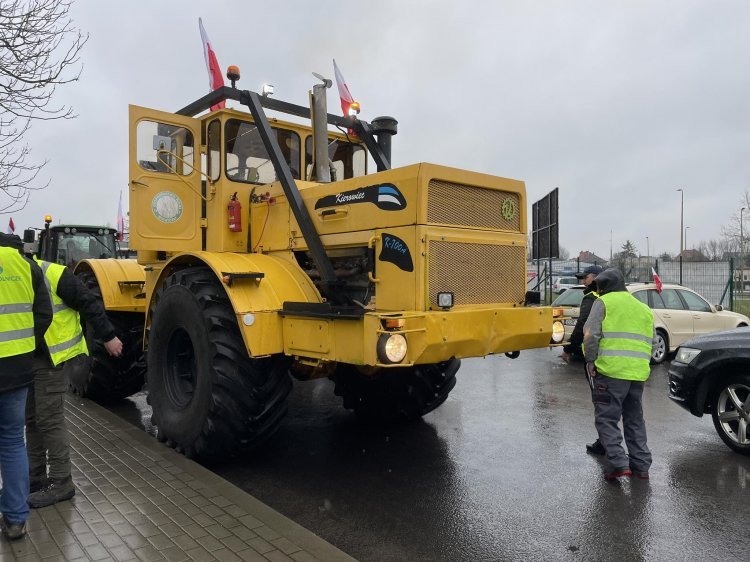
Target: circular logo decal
(166, 206)
(508, 209)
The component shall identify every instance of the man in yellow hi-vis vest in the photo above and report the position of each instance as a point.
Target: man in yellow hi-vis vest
(617, 341)
(65, 349)
(25, 313)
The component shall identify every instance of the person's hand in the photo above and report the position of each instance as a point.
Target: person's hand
(565, 356)
(591, 369)
(114, 347)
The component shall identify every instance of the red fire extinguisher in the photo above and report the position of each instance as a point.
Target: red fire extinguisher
(235, 214)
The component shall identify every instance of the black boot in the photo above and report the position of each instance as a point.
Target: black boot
(58, 490)
(37, 481)
(596, 448)
(12, 531)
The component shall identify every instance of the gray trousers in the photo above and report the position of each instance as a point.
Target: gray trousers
(615, 399)
(47, 440)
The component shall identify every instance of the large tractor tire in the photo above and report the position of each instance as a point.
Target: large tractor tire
(110, 379)
(395, 395)
(210, 400)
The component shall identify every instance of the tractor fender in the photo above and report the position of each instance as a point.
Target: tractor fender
(256, 300)
(121, 283)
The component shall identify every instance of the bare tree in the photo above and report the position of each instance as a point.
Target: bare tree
(39, 51)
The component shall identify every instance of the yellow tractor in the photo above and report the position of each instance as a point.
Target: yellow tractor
(266, 249)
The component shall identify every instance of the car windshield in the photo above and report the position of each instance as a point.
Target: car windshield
(571, 297)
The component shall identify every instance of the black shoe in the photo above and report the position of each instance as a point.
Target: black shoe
(57, 491)
(36, 484)
(12, 531)
(596, 448)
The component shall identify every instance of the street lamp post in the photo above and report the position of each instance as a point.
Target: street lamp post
(648, 252)
(742, 253)
(742, 241)
(682, 208)
(686, 245)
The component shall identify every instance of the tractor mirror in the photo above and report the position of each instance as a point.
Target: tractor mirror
(29, 235)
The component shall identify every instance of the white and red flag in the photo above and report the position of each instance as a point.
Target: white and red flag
(120, 220)
(656, 280)
(215, 78)
(346, 96)
(11, 226)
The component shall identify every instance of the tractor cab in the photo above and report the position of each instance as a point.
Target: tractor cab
(69, 244)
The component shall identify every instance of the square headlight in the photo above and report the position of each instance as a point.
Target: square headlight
(445, 300)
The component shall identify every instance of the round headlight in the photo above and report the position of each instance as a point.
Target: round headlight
(558, 331)
(391, 348)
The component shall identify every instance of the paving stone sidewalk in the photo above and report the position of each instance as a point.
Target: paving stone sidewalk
(137, 499)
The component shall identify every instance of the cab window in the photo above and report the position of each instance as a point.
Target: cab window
(165, 148)
(214, 149)
(247, 160)
(694, 302)
(349, 159)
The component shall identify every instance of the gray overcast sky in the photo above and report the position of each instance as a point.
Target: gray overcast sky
(616, 103)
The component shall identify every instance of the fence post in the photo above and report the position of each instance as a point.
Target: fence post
(680, 269)
(731, 284)
(578, 264)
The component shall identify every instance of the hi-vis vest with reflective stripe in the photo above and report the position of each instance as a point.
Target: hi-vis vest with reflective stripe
(627, 333)
(16, 303)
(64, 337)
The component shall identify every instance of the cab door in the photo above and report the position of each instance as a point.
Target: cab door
(165, 181)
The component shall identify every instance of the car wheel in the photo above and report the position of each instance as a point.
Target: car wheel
(731, 412)
(660, 348)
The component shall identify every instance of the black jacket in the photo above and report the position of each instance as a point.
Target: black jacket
(576, 338)
(17, 371)
(75, 295)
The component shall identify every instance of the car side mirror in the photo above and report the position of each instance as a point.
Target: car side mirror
(719, 308)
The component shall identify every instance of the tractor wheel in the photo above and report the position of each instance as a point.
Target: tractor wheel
(110, 379)
(210, 400)
(395, 395)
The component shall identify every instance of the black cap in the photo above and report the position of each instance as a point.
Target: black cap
(595, 269)
(11, 241)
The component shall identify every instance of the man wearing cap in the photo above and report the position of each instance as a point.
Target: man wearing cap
(587, 277)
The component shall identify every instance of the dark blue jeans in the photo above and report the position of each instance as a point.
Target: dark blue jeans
(14, 463)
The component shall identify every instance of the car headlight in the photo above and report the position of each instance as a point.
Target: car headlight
(558, 331)
(391, 348)
(686, 354)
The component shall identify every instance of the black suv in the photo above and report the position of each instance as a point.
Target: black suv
(711, 374)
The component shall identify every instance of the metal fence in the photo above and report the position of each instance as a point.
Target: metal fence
(715, 280)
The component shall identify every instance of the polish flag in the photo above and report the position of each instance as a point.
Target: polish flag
(11, 226)
(656, 280)
(344, 93)
(120, 220)
(215, 79)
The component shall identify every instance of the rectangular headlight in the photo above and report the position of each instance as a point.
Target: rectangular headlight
(445, 300)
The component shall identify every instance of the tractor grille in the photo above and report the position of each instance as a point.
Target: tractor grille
(476, 273)
(464, 205)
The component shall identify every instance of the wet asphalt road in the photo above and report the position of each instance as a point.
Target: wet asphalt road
(499, 472)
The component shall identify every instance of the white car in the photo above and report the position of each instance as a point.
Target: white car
(561, 284)
(679, 314)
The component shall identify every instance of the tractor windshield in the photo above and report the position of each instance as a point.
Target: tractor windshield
(76, 245)
(246, 157)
